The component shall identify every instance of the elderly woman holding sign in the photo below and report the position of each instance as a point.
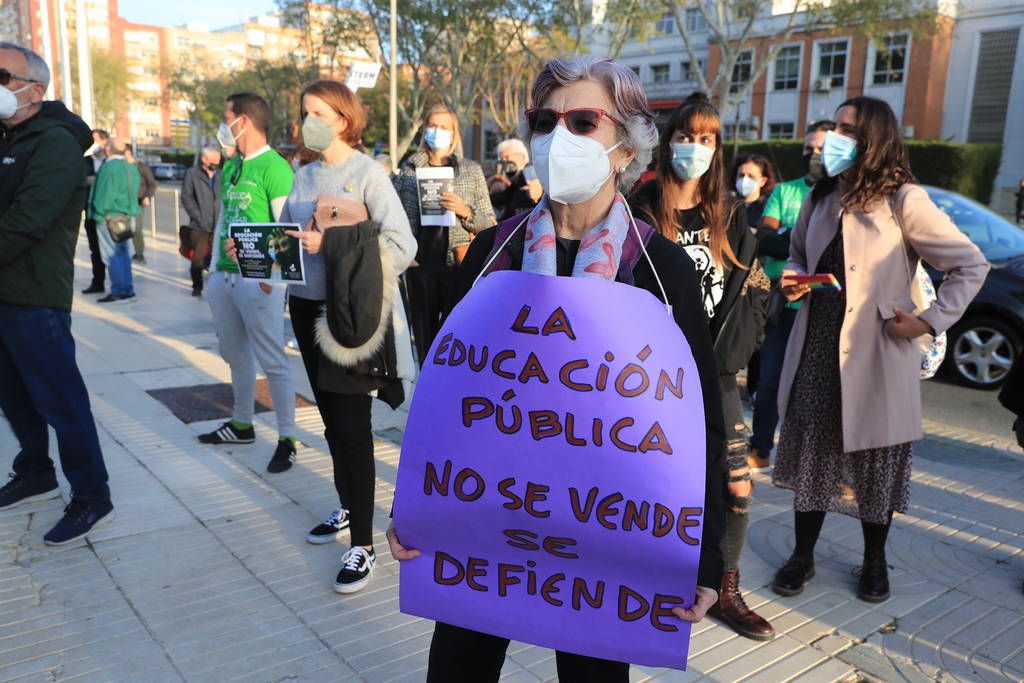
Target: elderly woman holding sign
(591, 135)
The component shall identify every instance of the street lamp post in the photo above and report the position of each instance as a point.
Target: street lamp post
(393, 82)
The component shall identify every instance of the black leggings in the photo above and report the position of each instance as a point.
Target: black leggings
(458, 655)
(737, 510)
(808, 527)
(347, 428)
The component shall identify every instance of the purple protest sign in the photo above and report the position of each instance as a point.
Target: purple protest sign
(552, 470)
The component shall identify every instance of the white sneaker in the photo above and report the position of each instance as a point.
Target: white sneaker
(356, 566)
(329, 529)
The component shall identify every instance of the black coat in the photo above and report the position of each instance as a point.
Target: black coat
(200, 197)
(355, 334)
(738, 326)
(679, 278)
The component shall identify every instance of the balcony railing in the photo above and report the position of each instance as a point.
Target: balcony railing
(675, 89)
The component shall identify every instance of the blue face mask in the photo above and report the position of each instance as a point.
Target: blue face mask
(437, 139)
(837, 153)
(690, 160)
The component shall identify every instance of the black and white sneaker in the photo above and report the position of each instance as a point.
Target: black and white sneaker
(284, 457)
(228, 433)
(329, 528)
(356, 566)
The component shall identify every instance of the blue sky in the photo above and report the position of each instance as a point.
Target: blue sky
(216, 14)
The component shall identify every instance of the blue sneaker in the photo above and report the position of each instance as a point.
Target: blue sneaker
(22, 490)
(80, 517)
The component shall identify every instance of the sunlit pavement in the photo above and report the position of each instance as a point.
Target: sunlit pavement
(206, 575)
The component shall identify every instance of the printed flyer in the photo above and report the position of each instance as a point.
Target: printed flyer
(266, 253)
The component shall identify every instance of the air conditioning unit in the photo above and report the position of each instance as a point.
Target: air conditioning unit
(822, 84)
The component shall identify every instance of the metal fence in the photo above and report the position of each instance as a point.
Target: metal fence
(159, 207)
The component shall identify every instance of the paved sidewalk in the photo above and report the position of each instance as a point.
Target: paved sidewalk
(206, 574)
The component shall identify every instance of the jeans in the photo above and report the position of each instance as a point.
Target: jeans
(40, 385)
(736, 508)
(766, 410)
(118, 256)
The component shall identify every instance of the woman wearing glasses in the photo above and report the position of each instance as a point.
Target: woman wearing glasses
(689, 203)
(440, 249)
(591, 135)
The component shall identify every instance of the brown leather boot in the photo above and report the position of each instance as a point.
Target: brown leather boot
(733, 611)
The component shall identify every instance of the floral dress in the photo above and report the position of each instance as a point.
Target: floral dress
(810, 460)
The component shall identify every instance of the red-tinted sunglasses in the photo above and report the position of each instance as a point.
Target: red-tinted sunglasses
(579, 121)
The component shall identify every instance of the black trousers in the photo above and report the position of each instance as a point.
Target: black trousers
(737, 509)
(429, 289)
(347, 428)
(458, 655)
(99, 269)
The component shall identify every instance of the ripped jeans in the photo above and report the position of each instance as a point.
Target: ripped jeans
(736, 508)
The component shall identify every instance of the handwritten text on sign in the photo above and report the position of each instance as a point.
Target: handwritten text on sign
(552, 471)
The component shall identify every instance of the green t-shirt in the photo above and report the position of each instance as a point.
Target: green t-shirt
(784, 206)
(263, 178)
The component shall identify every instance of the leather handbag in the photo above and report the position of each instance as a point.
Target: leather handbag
(120, 227)
(333, 212)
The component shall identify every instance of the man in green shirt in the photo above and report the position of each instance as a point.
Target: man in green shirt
(779, 217)
(249, 315)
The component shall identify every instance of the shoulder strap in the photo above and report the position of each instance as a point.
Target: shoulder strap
(896, 208)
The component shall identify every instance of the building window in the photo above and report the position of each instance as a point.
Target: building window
(890, 60)
(832, 62)
(993, 78)
(636, 70)
(152, 102)
(786, 131)
(787, 68)
(741, 71)
(695, 20)
(667, 23)
(689, 73)
(660, 73)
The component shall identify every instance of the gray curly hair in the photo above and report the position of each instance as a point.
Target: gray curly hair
(638, 133)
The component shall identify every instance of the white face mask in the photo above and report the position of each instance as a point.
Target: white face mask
(837, 153)
(9, 102)
(571, 168)
(745, 186)
(690, 160)
(226, 137)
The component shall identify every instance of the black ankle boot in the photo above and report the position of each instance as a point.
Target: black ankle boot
(873, 585)
(794, 574)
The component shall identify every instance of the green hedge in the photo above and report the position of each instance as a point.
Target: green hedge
(186, 158)
(969, 169)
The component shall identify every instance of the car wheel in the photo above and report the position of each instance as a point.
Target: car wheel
(981, 352)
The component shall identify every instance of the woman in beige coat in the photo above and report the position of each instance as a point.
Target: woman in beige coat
(849, 397)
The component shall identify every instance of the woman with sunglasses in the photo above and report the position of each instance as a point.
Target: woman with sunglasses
(688, 202)
(591, 135)
(849, 395)
(440, 249)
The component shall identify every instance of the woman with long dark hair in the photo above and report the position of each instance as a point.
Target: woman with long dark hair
(753, 177)
(849, 397)
(689, 203)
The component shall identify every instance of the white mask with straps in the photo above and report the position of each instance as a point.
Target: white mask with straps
(636, 228)
(9, 101)
(571, 168)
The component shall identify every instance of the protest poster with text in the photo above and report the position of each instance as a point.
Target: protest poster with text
(266, 253)
(552, 470)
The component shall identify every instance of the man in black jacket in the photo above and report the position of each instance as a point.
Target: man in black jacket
(94, 158)
(42, 191)
(200, 197)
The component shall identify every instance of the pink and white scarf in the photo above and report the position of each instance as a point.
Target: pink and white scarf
(600, 248)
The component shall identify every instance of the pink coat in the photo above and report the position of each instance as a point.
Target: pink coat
(881, 391)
